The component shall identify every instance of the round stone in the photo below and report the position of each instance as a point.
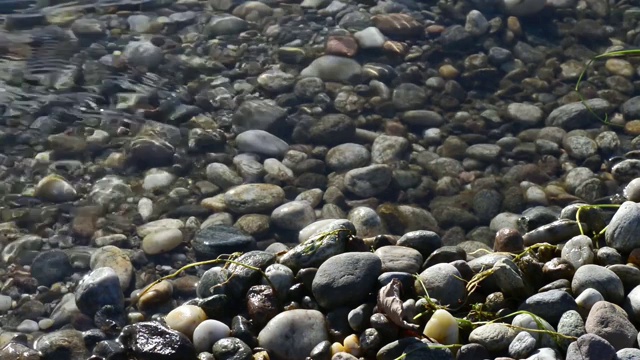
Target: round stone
(253, 198)
(185, 319)
(161, 241)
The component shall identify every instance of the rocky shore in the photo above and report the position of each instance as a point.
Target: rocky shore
(330, 179)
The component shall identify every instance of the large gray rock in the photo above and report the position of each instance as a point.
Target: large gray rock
(623, 229)
(346, 279)
(610, 322)
(599, 278)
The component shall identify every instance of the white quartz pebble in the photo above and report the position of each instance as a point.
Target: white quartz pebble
(442, 327)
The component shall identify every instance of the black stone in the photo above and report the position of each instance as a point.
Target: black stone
(152, 341)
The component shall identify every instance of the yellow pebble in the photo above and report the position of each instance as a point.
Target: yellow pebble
(352, 345)
(336, 347)
(185, 319)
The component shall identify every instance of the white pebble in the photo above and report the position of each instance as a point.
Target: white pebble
(145, 208)
(162, 241)
(588, 298)
(442, 327)
(207, 333)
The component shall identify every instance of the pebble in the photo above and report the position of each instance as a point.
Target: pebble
(101, 287)
(369, 180)
(116, 259)
(332, 68)
(442, 282)
(161, 241)
(51, 266)
(185, 319)
(610, 322)
(54, 188)
(253, 198)
(588, 298)
(208, 333)
(151, 340)
(216, 240)
(442, 327)
(522, 345)
(605, 281)
(400, 259)
(590, 346)
(291, 335)
(261, 142)
(579, 251)
(622, 227)
(345, 279)
(294, 215)
(5, 303)
(494, 337)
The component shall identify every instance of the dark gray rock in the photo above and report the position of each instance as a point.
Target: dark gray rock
(213, 241)
(51, 266)
(576, 115)
(346, 279)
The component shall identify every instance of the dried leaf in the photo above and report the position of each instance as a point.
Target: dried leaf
(392, 306)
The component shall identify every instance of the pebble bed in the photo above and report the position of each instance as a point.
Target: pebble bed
(330, 179)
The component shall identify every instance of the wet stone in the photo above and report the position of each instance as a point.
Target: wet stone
(150, 340)
(253, 198)
(69, 342)
(99, 288)
(213, 241)
(231, 348)
(51, 266)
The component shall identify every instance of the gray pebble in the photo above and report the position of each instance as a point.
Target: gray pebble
(346, 279)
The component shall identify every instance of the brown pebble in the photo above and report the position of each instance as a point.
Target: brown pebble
(435, 29)
(158, 294)
(395, 47)
(558, 268)
(508, 240)
(397, 24)
(185, 286)
(634, 257)
(341, 46)
(262, 304)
